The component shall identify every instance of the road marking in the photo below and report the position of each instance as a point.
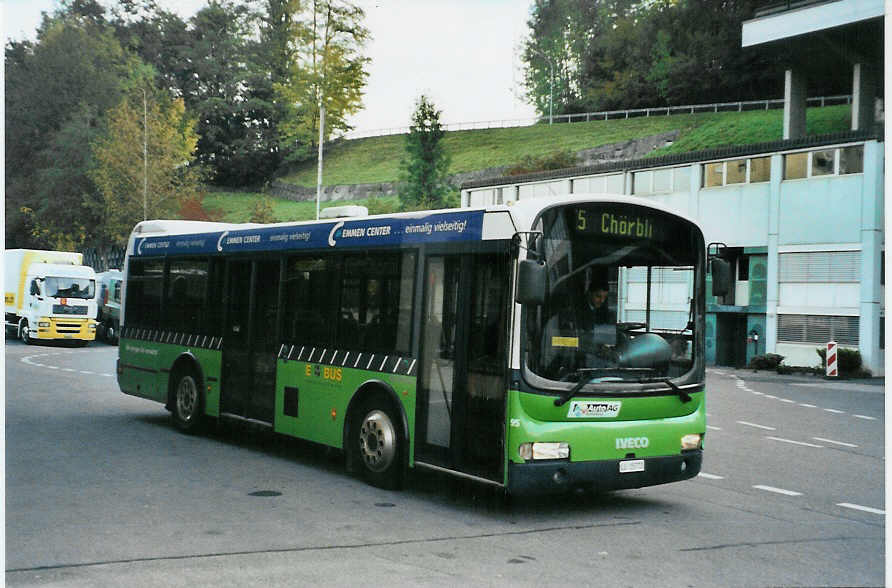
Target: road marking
(757, 393)
(711, 428)
(68, 370)
(807, 405)
(865, 417)
(777, 490)
(794, 442)
(843, 443)
(787, 400)
(755, 425)
(834, 411)
(710, 476)
(770, 396)
(859, 507)
(87, 373)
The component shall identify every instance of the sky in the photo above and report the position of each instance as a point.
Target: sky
(463, 54)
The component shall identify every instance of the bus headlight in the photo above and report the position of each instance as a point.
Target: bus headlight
(544, 450)
(43, 324)
(691, 441)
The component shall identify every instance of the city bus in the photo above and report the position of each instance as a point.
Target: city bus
(445, 340)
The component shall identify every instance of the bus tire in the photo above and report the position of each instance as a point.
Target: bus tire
(187, 402)
(24, 333)
(378, 443)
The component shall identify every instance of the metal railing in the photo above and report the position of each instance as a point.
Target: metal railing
(739, 106)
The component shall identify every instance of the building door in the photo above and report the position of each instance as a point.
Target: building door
(731, 339)
(249, 341)
(461, 395)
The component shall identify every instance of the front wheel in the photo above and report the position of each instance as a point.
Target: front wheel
(25, 333)
(187, 404)
(379, 444)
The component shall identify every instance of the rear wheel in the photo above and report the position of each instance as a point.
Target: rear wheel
(188, 403)
(378, 443)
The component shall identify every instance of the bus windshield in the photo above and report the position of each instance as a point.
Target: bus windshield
(620, 301)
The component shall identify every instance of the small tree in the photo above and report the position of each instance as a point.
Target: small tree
(424, 171)
(263, 211)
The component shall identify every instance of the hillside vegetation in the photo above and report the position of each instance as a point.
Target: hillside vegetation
(377, 159)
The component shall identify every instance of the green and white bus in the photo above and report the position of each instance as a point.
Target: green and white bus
(439, 340)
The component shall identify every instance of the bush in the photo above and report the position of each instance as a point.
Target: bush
(555, 160)
(848, 361)
(769, 361)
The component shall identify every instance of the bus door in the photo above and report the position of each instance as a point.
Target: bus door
(249, 342)
(461, 396)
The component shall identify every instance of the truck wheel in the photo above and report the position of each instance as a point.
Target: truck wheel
(378, 443)
(111, 334)
(24, 333)
(188, 402)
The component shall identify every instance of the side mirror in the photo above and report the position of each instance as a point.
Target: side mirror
(531, 277)
(35, 290)
(721, 276)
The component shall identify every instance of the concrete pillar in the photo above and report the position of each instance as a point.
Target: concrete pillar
(864, 93)
(694, 194)
(871, 245)
(795, 94)
(772, 285)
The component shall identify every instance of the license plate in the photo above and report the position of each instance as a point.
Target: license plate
(632, 465)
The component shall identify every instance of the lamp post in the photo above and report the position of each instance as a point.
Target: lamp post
(550, 84)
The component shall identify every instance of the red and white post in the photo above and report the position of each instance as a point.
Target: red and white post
(832, 357)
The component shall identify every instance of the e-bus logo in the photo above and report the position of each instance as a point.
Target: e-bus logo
(328, 373)
(632, 443)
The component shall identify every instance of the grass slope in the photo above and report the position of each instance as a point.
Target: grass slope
(377, 159)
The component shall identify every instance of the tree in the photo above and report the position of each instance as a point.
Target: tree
(142, 162)
(611, 54)
(425, 170)
(57, 91)
(328, 70)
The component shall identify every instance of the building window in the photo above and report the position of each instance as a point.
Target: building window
(817, 329)
(826, 267)
(713, 174)
(824, 162)
(851, 160)
(735, 171)
(743, 269)
(795, 166)
(760, 169)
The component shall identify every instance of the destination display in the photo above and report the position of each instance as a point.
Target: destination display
(621, 221)
(432, 228)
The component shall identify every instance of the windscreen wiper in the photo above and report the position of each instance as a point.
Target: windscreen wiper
(684, 396)
(584, 376)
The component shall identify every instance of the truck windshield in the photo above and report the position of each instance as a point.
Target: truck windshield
(57, 287)
(620, 306)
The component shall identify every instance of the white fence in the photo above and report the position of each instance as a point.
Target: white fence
(739, 106)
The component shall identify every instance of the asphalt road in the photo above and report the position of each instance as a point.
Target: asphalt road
(102, 491)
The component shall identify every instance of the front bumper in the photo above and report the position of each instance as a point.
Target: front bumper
(554, 477)
(66, 328)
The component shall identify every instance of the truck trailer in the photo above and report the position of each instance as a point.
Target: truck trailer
(49, 295)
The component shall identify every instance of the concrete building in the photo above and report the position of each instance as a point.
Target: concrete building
(803, 217)
(803, 222)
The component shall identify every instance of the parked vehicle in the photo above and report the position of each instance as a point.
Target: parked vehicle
(49, 295)
(108, 303)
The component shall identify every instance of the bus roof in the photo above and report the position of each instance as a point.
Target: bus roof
(165, 237)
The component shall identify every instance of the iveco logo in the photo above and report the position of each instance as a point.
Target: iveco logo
(632, 443)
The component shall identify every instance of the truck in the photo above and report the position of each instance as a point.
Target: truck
(49, 295)
(108, 302)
